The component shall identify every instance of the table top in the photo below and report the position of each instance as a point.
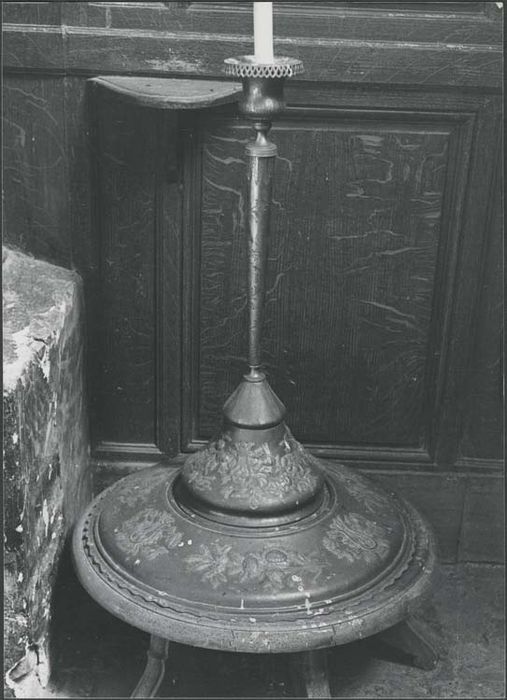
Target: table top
(359, 563)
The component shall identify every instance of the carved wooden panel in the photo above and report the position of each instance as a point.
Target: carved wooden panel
(357, 225)
(136, 333)
(126, 314)
(484, 429)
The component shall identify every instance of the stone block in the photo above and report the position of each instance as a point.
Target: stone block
(46, 452)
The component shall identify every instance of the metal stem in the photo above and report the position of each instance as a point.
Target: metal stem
(262, 154)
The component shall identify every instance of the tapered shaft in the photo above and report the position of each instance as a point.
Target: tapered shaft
(262, 154)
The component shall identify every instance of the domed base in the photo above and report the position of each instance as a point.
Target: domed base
(356, 563)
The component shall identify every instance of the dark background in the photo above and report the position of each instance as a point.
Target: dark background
(383, 320)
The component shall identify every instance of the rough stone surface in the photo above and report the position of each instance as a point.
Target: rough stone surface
(46, 452)
(101, 657)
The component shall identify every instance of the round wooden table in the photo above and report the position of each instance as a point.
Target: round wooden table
(358, 562)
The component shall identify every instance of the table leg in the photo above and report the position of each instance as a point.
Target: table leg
(411, 638)
(154, 672)
(310, 674)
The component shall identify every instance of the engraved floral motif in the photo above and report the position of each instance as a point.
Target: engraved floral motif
(132, 492)
(148, 533)
(251, 473)
(351, 536)
(364, 492)
(272, 568)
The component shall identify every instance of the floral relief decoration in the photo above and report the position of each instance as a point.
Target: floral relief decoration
(148, 534)
(250, 472)
(364, 492)
(272, 569)
(353, 537)
(134, 492)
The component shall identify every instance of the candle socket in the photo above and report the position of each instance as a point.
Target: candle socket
(262, 98)
(263, 83)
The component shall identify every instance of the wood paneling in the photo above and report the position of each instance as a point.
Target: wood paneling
(80, 147)
(35, 160)
(483, 534)
(48, 13)
(459, 321)
(404, 207)
(483, 430)
(336, 42)
(353, 256)
(127, 168)
(439, 498)
(111, 51)
(398, 111)
(472, 23)
(85, 14)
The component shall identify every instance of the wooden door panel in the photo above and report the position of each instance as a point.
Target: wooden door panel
(125, 342)
(354, 255)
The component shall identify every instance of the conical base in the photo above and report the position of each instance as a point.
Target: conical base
(255, 545)
(353, 565)
(255, 468)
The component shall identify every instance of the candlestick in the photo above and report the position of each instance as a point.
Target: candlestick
(256, 545)
(263, 31)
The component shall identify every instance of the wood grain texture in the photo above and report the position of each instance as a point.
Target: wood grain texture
(335, 42)
(126, 319)
(459, 319)
(483, 533)
(48, 13)
(35, 160)
(86, 14)
(483, 430)
(81, 145)
(80, 148)
(168, 281)
(468, 22)
(110, 51)
(352, 267)
(471, 23)
(439, 498)
(33, 49)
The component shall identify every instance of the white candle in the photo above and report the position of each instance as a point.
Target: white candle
(263, 31)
